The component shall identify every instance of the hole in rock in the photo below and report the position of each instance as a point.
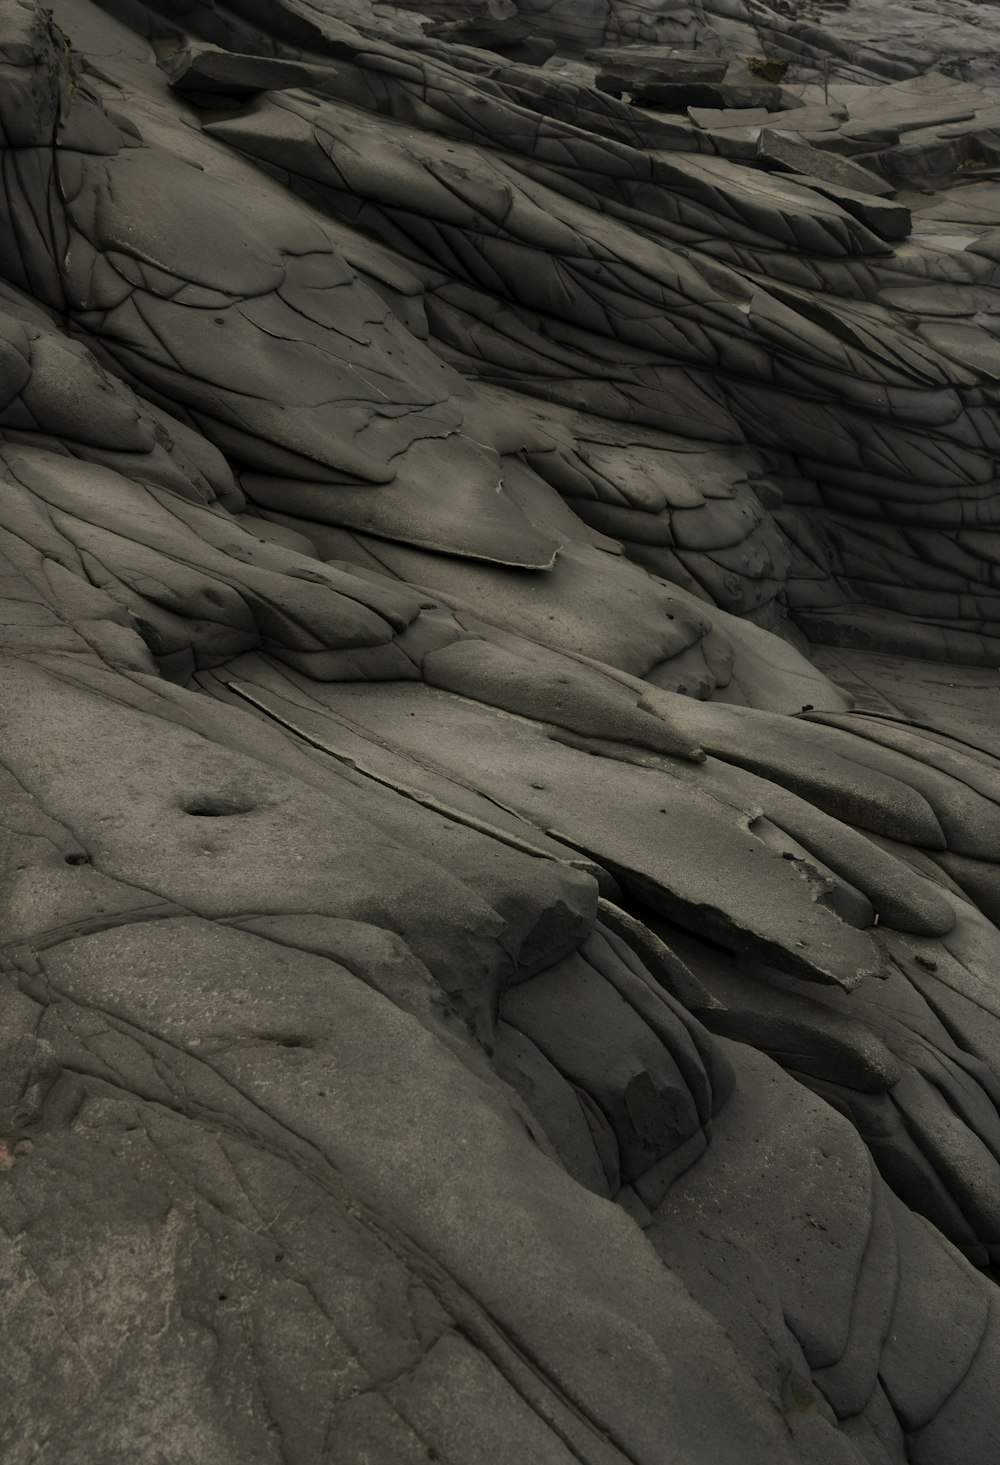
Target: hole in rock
(217, 806)
(78, 858)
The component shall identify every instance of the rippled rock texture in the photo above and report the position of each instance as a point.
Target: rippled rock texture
(501, 802)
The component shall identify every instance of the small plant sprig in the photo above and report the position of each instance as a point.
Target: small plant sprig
(768, 68)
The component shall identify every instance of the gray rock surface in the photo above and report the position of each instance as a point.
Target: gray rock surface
(500, 825)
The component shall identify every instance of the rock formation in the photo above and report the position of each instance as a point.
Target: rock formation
(501, 815)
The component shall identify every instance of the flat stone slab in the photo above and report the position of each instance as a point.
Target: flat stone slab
(678, 96)
(711, 117)
(818, 122)
(737, 143)
(223, 73)
(630, 64)
(519, 40)
(819, 119)
(884, 217)
(853, 138)
(788, 152)
(921, 101)
(970, 203)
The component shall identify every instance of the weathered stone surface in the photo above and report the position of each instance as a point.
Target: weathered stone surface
(644, 69)
(888, 218)
(787, 151)
(680, 95)
(518, 40)
(213, 74)
(475, 983)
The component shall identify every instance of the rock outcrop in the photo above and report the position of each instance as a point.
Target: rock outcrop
(500, 920)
